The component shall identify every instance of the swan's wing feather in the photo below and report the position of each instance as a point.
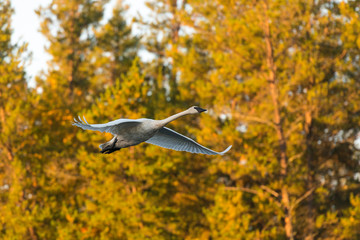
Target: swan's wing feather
(111, 127)
(170, 139)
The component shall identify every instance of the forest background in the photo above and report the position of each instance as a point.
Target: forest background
(280, 80)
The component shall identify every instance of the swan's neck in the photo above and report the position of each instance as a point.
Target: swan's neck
(173, 117)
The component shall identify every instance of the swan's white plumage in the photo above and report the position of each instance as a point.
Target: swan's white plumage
(130, 132)
(110, 127)
(171, 139)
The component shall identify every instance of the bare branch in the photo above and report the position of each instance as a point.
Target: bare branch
(255, 119)
(292, 158)
(249, 190)
(269, 190)
(299, 200)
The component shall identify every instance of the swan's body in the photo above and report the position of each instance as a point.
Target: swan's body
(130, 132)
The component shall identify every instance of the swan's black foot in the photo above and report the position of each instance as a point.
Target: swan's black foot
(104, 150)
(109, 147)
(107, 151)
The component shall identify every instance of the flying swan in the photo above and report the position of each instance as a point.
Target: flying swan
(130, 132)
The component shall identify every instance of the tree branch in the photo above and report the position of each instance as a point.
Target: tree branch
(292, 158)
(249, 190)
(269, 190)
(256, 119)
(299, 200)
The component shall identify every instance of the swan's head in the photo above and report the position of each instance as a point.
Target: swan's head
(195, 110)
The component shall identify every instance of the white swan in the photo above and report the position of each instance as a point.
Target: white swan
(130, 132)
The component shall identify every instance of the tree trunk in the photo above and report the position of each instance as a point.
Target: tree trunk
(283, 159)
(310, 177)
(310, 223)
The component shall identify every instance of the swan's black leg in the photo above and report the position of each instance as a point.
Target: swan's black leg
(112, 150)
(104, 150)
(109, 147)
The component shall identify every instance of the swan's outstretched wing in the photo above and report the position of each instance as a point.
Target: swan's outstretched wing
(168, 138)
(112, 127)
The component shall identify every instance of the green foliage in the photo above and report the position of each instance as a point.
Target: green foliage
(350, 223)
(15, 134)
(299, 128)
(279, 80)
(115, 50)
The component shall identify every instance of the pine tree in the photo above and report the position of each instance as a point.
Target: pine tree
(115, 196)
(279, 80)
(64, 91)
(341, 221)
(15, 135)
(74, 83)
(271, 70)
(116, 48)
(183, 185)
(71, 45)
(163, 42)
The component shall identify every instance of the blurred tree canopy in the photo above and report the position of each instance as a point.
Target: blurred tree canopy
(280, 80)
